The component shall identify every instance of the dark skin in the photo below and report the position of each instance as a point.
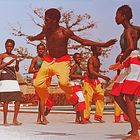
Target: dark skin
(57, 40)
(34, 69)
(40, 56)
(9, 48)
(94, 67)
(74, 68)
(131, 35)
(73, 75)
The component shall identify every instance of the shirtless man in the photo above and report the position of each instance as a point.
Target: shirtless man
(92, 86)
(129, 59)
(57, 62)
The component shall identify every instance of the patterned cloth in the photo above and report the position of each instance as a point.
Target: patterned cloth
(9, 87)
(93, 90)
(128, 81)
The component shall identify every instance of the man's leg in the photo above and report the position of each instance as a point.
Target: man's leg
(62, 70)
(131, 108)
(98, 99)
(41, 82)
(122, 103)
(88, 93)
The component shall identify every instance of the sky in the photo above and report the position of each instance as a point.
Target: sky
(15, 12)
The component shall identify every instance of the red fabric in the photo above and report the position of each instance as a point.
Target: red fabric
(92, 81)
(131, 87)
(131, 84)
(49, 58)
(81, 106)
(96, 117)
(117, 118)
(49, 103)
(129, 61)
(116, 89)
(126, 118)
(74, 99)
(127, 87)
(77, 88)
(34, 76)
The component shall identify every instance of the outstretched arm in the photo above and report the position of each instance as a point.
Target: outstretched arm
(87, 42)
(39, 36)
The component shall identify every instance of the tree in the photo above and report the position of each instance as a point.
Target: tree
(23, 53)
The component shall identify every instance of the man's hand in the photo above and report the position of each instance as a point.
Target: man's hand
(30, 38)
(110, 42)
(106, 78)
(115, 67)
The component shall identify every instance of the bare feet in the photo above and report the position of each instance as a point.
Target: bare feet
(88, 121)
(77, 121)
(83, 122)
(99, 120)
(132, 137)
(6, 124)
(131, 130)
(17, 123)
(44, 121)
(38, 122)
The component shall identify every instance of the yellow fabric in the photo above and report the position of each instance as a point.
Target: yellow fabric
(95, 92)
(44, 76)
(117, 109)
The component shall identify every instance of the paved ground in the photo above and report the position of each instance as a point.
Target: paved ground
(62, 127)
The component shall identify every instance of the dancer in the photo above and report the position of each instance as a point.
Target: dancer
(130, 68)
(34, 68)
(92, 86)
(77, 75)
(57, 62)
(9, 87)
(117, 110)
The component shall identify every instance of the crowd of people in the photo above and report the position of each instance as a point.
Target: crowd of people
(80, 85)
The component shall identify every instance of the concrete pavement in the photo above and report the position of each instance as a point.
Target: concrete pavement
(62, 127)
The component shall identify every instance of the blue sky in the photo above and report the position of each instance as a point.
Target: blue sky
(13, 12)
